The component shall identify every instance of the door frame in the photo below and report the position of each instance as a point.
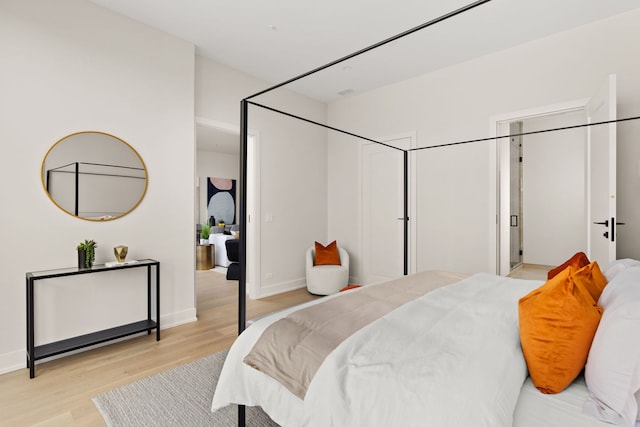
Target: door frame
(412, 225)
(608, 91)
(253, 200)
(499, 169)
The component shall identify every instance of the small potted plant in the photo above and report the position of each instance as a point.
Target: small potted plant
(86, 253)
(205, 231)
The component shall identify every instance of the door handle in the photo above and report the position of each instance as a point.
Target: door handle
(606, 234)
(613, 228)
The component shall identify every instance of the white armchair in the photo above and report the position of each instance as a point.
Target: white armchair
(327, 279)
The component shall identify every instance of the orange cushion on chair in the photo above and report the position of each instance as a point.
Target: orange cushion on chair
(557, 324)
(577, 261)
(327, 255)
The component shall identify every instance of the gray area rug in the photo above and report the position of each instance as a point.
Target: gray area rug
(179, 397)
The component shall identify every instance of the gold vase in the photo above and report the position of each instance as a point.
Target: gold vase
(205, 257)
(120, 253)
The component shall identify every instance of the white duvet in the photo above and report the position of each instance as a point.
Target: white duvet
(451, 358)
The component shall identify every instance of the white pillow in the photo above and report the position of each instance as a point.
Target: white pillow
(612, 372)
(617, 266)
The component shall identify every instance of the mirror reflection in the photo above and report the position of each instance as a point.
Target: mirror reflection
(94, 176)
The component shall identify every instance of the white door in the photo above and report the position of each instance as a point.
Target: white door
(602, 175)
(382, 211)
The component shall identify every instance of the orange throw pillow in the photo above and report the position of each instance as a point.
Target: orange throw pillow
(577, 261)
(557, 324)
(591, 278)
(327, 255)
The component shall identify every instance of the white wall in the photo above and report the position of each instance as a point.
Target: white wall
(554, 217)
(456, 217)
(293, 166)
(70, 66)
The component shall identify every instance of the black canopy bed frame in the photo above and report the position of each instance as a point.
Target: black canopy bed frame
(75, 168)
(244, 116)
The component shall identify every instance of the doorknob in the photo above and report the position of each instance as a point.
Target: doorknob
(605, 223)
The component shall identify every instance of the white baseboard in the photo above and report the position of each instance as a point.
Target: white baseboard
(16, 360)
(178, 318)
(13, 361)
(278, 288)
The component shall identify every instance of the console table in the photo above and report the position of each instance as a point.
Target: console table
(53, 348)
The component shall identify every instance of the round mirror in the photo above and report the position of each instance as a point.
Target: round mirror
(94, 176)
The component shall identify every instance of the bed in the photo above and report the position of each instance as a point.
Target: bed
(450, 354)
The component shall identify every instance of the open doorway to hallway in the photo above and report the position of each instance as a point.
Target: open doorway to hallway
(218, 156)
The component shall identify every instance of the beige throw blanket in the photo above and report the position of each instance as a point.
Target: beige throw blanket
(292, 349)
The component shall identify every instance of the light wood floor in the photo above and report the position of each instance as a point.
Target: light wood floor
(61, 392)
(531, 272)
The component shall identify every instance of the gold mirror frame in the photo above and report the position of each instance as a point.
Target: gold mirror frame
(88, 158)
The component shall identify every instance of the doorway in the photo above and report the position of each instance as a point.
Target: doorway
(592, 163)
(546, 173)
(548, 189)
(218, 155)
(515, 208)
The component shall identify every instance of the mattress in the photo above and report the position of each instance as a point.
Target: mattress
(535, 409)
(239, 383)
(248, 386)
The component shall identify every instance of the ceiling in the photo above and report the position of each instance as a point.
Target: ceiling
(276, 40)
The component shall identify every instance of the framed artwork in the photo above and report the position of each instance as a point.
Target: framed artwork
(221, 200)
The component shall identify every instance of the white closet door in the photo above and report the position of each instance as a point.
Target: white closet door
(382, 210)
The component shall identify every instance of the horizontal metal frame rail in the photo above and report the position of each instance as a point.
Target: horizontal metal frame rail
(376, 45)
(322, 125)
(493, 138)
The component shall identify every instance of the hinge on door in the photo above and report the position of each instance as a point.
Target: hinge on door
(520, 252)
(520, 159)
